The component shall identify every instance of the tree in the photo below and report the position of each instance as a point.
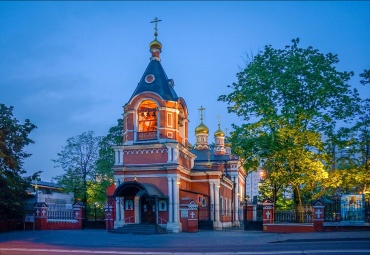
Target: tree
(78, 160)
(292, 98)
(349, 152)
(104, 174)
(352, 173)
(13, 139)
(365, 77)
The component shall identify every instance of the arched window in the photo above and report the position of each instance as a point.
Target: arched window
(147, 116)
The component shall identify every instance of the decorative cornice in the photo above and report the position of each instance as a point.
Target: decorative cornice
(144, 151)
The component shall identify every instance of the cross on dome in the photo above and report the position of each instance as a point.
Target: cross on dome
(219, 120)
(155, 46)
(201, 109)
(156, 20)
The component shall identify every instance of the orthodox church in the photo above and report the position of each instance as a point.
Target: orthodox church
(160, 178)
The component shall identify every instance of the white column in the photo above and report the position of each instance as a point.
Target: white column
(217, 202)
(236, 198)
(116, 159)
(174, 224)
(176, 207)
(212, 199)
(137, 209)
(119, 156)
(122, 208)
(118, 210)
(169, 154)
(118, 222)
(170, 199)
(175, 154)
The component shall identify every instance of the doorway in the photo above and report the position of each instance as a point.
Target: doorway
(147, 211)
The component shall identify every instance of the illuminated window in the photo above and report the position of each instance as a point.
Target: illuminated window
(147, 116)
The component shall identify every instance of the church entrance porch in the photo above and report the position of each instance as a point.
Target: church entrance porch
(137, 203)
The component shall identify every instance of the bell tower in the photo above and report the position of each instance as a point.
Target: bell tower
(154, 154)
(154, 112)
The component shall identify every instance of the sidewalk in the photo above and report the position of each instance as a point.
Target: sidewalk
(102, 238)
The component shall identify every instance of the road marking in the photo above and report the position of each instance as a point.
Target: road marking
(367, 251)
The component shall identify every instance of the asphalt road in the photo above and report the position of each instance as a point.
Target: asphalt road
(203, 242)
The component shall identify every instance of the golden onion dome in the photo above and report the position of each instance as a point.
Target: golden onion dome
(219, 132)
(227, 143)
(201, 129)
(155, 45)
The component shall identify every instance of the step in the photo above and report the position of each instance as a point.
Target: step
(143, 229)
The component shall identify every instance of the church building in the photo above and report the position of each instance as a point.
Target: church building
(160, 178)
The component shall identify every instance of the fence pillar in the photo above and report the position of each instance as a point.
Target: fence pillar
(78, 213)
(109, 219)
(318, 216)
(268, 211)
(41, 216)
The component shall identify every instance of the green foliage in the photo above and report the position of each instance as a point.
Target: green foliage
(87, 162)
(104, 164)
(290, 98)
(78, 160)
(105, 161)
(352, 166)
(13, 139)
(365, 77)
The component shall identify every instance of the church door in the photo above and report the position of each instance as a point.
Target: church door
(147, 212)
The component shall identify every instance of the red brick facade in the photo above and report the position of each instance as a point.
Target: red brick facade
(158, 172)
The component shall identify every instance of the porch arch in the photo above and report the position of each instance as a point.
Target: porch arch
(131, 188)
(138, 191)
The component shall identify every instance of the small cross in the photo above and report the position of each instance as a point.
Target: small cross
(43, 212)
(76, 214)
(37, 212)
(318, 213)
(156, 20)
(201, 109)
(268, 214)
(219, 121)
(192, 215)
(226, 131)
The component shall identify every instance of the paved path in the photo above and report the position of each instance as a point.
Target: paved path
(100, 240)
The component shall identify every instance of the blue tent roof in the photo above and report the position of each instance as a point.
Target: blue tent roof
(161, 84)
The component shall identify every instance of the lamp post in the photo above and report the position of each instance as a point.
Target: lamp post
(95, 205)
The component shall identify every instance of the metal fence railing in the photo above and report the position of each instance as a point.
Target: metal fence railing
(302, 215)
(335, 212)
(60, 212)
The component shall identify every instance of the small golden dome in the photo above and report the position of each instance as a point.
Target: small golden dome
(227, 143)
(201, 129)
(155, 45)
(219, 132)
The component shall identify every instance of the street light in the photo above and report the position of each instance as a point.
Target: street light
(95, 205)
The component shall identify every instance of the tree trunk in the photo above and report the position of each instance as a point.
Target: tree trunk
(298, 203)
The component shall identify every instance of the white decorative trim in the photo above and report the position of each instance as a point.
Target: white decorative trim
(57, 220)
(149, 151)
(169, 119)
